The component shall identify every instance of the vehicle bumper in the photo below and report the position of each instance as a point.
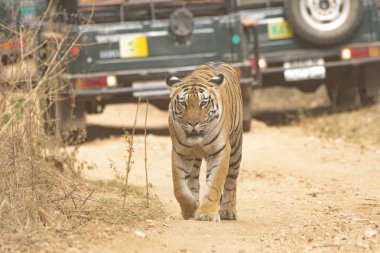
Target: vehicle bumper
(332, 57)
(330, 64)
(140, 76)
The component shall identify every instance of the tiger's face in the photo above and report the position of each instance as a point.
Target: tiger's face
(194, 107)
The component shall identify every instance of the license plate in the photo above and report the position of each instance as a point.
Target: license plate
(28, 13)
(304, 70)
(133, 46)
(279, 30)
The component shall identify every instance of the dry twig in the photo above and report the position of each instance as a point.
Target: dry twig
(89, 196)
(145, 155)
(130, 151)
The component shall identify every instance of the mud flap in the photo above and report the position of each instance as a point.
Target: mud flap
(247, 114)
(66, 119)
(372, 80)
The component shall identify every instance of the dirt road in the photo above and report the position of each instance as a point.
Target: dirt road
(296, 193)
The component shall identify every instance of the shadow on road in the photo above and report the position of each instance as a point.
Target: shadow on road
(287, 116)
(102, 132)
(280, 117)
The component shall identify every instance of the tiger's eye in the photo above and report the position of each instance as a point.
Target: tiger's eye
(182, 103)
(203, 103)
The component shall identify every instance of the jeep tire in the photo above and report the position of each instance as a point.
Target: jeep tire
(324, 22)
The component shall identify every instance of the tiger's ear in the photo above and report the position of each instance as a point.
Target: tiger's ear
(218, 80)
(171, 81)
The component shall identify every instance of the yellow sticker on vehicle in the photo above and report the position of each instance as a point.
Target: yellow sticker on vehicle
(133, 46)
(280, 30)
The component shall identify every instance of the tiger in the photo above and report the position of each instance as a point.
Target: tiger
(206, 122)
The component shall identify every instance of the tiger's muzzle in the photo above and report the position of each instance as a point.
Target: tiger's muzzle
(194, 134)
(193, 130)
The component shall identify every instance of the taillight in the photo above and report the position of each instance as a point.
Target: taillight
(85, 83)
(359, 52)
(252, 62)
(13, 44)
(238, 71)
(75, 51)
(374, 51)
(96, 82)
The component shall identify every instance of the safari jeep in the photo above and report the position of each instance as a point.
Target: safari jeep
(305, 44)
(128, 48)
(16, 44)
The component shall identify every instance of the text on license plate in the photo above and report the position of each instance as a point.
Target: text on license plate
(279, 30)
(133, 46)
(304, 70)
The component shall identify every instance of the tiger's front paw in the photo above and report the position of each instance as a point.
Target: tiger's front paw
(227, 214)
(207, 214)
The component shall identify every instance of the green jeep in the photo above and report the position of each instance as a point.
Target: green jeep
(18, 30)
(307, 43)
(126, 49)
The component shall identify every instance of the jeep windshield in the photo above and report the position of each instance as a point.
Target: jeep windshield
(106, 11)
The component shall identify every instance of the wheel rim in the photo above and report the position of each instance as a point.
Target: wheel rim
(325, 15)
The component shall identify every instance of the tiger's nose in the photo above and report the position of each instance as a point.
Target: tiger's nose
(193, 123)
(193, 126)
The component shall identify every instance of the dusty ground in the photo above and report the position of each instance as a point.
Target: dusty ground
(296, 191)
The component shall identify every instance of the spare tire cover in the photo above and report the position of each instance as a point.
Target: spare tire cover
(181, 24)
(324, 22)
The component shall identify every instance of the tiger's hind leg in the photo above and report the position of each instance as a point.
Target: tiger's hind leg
(182, 167)
(228, 200)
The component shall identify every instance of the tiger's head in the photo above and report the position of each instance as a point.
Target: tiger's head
(195, 106)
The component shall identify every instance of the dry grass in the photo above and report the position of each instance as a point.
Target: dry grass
(136, 209)
(280, 98)
(312, 112)
(39, 187)
(360, 126)
(37, 175)
(101, 217)
(42, 196)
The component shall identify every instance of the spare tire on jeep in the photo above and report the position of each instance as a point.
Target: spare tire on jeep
(324, 22)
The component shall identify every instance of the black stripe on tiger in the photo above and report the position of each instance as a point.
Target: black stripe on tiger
(218, 151)
(183, 169)
(236, 148)
(237, 162)
(181, 143)
(216, 136)
(230, 189)
(232, 176)
(189, 158)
